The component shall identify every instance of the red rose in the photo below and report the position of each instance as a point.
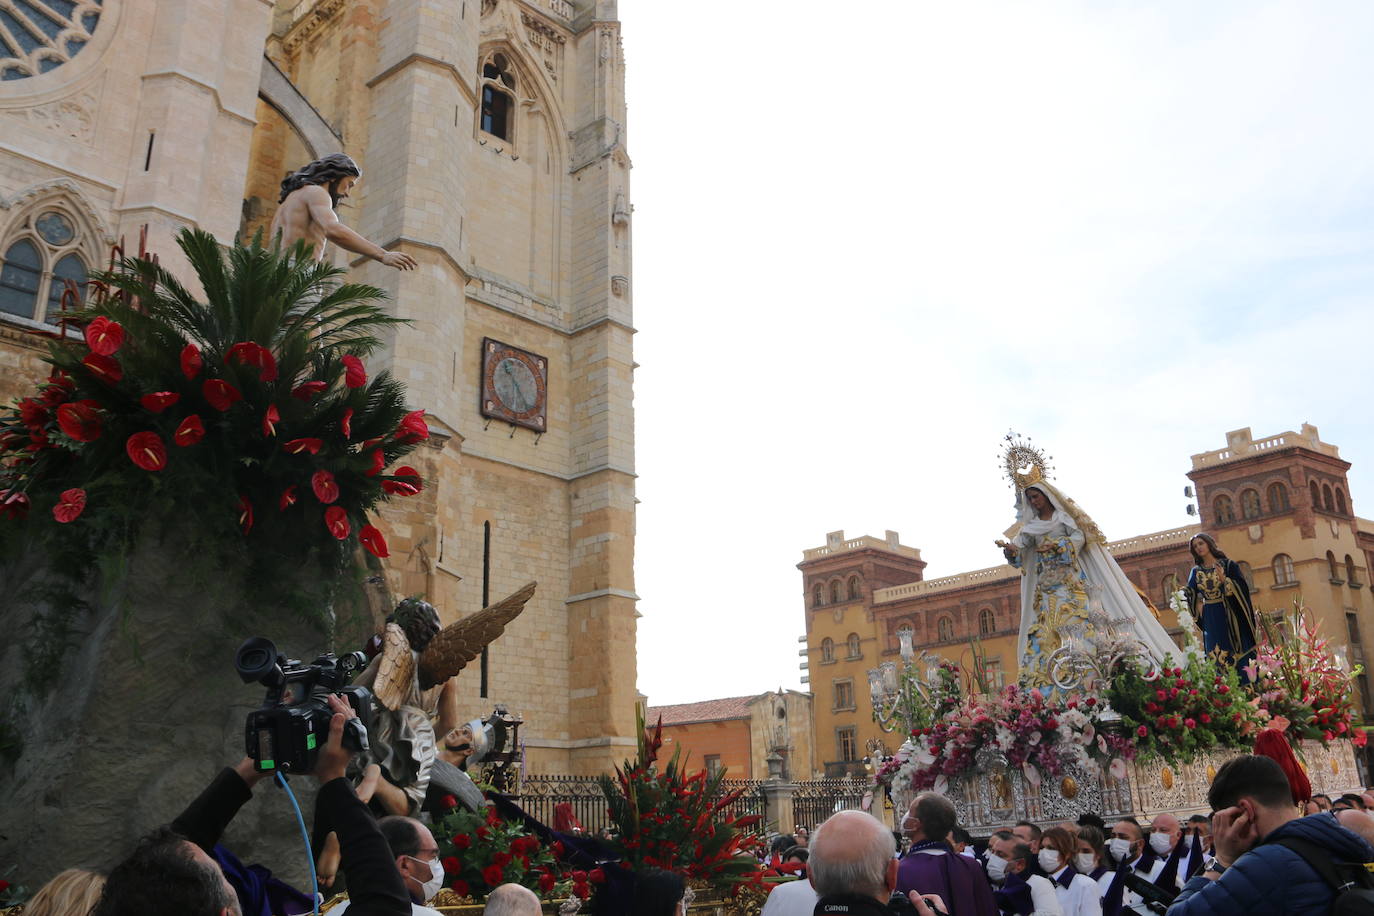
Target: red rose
(483, 833)
(147, 451)
(189, 431)
(1173, 721)
(1051, 724)
(270, 419)
(245, 514)
(105, 367)
(158, 401)
(296, 446)
(501, 859)
(405, 482)
(191, 361)
(492, 875)
(104, 336)
(14, 505)
(1223, 688)
(451, 865)
(579, 876)
(413, 428)
(1190, 723)
(355, 375)
(1142, 731)
(1173, 693)
(346, 424)
(336, 520)
(378, 463)
(583, 890)
(374, 542)
(4, 885)
(326, 490)
(70, 505)
(546, 882)
(1092, 701)
(460, 887)
(1161, 695)
(80, 420)
(1204, 718)
(307, 390)
(220, 393)
(288, 498)
(558, 849)
(461, 841)
(597, 876)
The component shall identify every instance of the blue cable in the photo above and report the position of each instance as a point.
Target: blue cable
(305, 838)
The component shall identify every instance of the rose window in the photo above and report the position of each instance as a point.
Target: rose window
(41, 35)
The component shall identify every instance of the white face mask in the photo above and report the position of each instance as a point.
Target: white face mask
(436, 877)
(1084, 862)
(1120, 849)
(1161, 843)
(1049, 861)
(997, 868)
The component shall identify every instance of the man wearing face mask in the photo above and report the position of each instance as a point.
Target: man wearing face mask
(931, 866)
(1256, 871)
(1016, 891)
(417, 859)
(1128, 845)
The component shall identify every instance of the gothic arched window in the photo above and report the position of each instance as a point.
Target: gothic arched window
(1283, 569)
(1250, 503)
(945, 629)
(1222, 511)
(498, 97)
(41, 264)
(1278, 498)
(987, 622)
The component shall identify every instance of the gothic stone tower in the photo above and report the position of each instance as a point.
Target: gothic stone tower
(491, 134)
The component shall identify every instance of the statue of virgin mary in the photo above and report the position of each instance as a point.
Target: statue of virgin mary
(1071, 587)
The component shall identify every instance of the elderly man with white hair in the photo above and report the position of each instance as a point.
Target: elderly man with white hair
(853, 869)
(512, 900)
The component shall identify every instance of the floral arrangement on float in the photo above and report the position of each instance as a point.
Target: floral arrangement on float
(1299, 677)
(481, 851)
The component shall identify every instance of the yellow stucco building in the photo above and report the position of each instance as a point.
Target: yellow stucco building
(492, 139)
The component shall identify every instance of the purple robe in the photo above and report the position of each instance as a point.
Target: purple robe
(958, 880)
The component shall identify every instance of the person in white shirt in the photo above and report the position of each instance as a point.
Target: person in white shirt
(793, 898)
(1077, 893)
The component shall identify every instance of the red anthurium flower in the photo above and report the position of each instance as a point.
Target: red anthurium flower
(307, 390)
(336, 520)
(296, 446)
(378, 463)
(104, 336)
(80, 420)
(14, 505)
(288, 498)
(189, 431)
(346, 424)
(249, 353)
(355, 375)
(70, 505)
(220, 393)
(245, 514)
(191, 361)
(147, 451)
(413, 428)
(405, 482)
(374, 542)
(105, 367)
(270, 420)
(326, 490)
(159, 401)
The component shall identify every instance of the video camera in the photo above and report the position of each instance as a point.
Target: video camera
(286, 732)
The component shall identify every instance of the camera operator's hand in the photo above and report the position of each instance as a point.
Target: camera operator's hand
(334, 757)
(929, 905)
(248, 773)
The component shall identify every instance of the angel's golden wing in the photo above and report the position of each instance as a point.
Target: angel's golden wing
(395, 669)
(461, 642)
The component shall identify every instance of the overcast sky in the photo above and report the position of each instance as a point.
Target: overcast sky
(870, 238)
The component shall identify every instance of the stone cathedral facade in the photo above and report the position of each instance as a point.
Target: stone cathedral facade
(492, 139)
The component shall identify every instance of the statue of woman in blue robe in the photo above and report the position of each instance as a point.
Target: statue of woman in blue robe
(1219, 598)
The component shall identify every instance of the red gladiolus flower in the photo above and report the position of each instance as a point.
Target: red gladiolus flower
(460, 887)
(355, 375)
(107, 368)
(270, 420)
(32, 413)
(596, 876)
(288, 498)
(307, 390)
(492, 875)
(296, 446)
(378, 464)
(405, 482)
(189, 431)
(245, 514)
(70, 505)
(159, 401)
(326, 490)
(461, 841)
(336, 520)
(374, 542)
(147, 451)
(80, 420)
(346, 424)
(104, 336)
(413, 428)
(14, 505)
(220, 393)
(59, 389)
(451, 865)
(191, 361)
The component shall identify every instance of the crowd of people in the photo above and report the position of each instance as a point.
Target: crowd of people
(1257, 853)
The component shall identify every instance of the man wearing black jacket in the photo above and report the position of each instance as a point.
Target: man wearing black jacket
(854, 870)
(171, 870)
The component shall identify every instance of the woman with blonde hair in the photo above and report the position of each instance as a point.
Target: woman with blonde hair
(73, 892)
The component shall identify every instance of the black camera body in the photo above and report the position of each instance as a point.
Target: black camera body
(286, 733)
